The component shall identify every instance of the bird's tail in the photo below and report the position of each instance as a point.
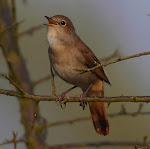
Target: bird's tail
(97, 109)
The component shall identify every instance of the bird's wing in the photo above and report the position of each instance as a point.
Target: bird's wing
(91, 61)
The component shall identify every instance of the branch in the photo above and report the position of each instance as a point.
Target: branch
(11, 141)
(39, 98)
(94, 144)
(13, 83)
(114, 61)
(14, 141)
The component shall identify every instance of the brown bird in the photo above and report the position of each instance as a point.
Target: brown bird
(68, 52)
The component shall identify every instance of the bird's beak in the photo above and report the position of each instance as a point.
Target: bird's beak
(51, 21)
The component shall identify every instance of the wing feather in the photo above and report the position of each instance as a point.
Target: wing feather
(91, 61)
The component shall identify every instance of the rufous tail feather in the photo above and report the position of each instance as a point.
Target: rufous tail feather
(97, 109)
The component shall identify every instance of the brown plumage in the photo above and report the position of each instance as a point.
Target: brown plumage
(97, 109)
(91, 60)
(68, 52)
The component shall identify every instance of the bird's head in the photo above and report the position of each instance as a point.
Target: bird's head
(60, 28)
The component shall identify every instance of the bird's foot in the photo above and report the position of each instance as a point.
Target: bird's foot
(59, 99)
(83, 102)
(61, 96)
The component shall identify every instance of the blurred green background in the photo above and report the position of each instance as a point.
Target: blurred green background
(104, 26)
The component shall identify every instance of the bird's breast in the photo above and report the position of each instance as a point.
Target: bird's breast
(65, 60)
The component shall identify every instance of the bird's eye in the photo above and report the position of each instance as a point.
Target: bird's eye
(63, 23)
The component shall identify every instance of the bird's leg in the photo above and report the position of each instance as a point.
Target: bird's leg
(53, 83)
(82, 97)
(61, 96)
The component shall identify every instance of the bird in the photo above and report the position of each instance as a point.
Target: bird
(68, 52)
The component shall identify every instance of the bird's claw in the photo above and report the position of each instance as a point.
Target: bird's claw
(63, 106)
(83, 102)
(59, 99)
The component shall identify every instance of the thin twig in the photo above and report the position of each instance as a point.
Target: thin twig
(14, 140)
(13, 83)
(11, 141)
(114, 61)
